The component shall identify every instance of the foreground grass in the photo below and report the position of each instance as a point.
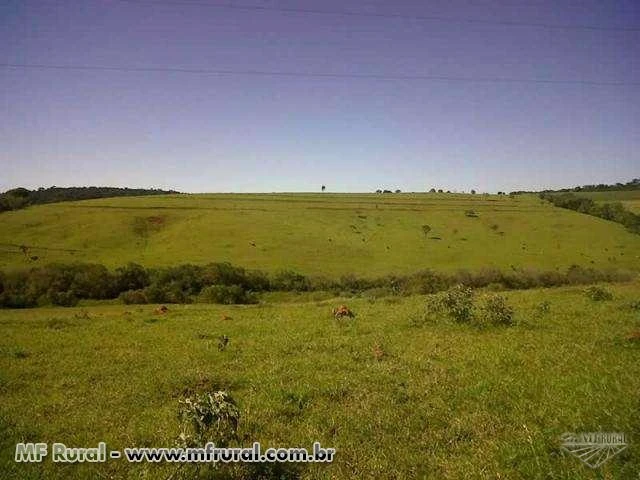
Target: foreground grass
(443, 401)
(318, 234)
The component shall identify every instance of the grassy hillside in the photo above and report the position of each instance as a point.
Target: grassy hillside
(395, 398)
(327, 234)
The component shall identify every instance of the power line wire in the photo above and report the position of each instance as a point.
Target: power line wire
(279, 73)
(429, 18)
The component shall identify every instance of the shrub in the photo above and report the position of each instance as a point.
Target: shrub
(63, 299)
(224, 274)
(131, 277)
(598, 294)
(172, 293)
(289, 281)
(186, 279)
(226, 295)
(16, 300)
(422, 282)
(458, 303)
(208, 417)
(133, 297)
(496, 311)
(93, 281)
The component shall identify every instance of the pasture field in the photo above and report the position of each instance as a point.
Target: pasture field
(396, 397)
(325, 234)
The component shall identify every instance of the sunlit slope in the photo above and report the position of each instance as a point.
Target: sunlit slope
(326, 234)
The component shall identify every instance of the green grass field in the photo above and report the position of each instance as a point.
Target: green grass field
(326, 234)
(398, 398)
(443, 401)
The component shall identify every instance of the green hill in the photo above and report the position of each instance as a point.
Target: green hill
(329, 234)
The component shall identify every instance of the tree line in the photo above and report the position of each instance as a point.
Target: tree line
(17, 198)
(601, 187)
(224, 283)
(613, 211)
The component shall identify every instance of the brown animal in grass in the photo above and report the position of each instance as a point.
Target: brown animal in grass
(342, 311)
(226, 317)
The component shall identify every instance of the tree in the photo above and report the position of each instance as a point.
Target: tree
(433, 190)
(323, 188)
(398, 191)
(473, 192)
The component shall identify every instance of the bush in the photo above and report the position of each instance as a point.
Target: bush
(177, 282)
(63, 299)
(93, 281)
(208, 417)
(133, 297)
(226, 295)
(598, 294)
(223, 274)
(131, 277)
(290, 281)
(458, 303)
(172, 293)
(422, 282)
(13, 300)
(496, 311)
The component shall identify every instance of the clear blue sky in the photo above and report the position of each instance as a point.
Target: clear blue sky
(211, 132)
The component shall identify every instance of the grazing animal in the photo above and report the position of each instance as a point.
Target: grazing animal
(226, 317)
(342, 311)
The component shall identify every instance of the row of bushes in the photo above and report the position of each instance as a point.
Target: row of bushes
(459, 304)
(66, 284)
(614, 212)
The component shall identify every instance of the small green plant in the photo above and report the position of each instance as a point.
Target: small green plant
(223, 341)
(208, 417)
(543, 308)
(21, 353)
(496, 311)
(635, 305)
(294, 403)
(598, 294)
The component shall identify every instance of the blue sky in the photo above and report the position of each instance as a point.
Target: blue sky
(203, 133)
